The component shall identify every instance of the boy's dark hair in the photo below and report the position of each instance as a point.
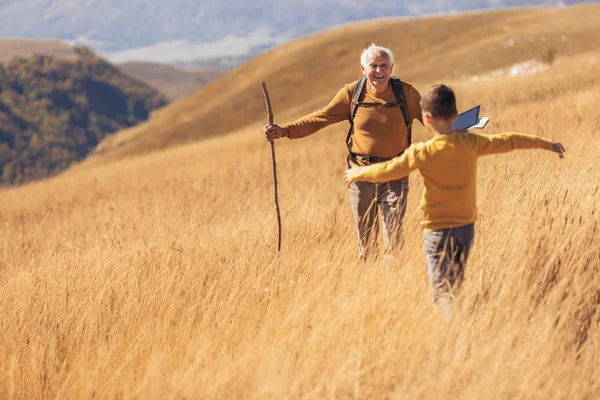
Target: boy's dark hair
(439, 101)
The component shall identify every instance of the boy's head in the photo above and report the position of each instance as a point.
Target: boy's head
(438, 106)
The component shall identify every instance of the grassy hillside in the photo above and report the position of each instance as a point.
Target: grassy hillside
(156, 277)
(54, 111)
(173, 81)
(305, 74)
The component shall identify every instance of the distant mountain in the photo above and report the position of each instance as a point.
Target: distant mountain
(109, 26)
(54, 111)
(175, 82)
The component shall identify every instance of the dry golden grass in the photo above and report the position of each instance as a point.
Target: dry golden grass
(156, 276)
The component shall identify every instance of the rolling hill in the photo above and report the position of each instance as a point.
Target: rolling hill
(303, 75)
(174, 82)
(37, 139)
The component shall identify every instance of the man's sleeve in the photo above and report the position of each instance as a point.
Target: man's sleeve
(336, 111)
(413, 99)
(396, 168)
(505, 142)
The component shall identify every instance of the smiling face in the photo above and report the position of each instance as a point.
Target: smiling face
(378, 71)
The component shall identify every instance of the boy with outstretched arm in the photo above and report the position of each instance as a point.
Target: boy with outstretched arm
(448, 164)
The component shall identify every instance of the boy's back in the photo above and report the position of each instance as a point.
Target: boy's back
(448, 164)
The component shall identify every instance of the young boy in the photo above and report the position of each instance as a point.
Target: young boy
(448, 164)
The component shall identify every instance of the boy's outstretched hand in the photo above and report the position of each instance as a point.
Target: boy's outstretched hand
(559, 149)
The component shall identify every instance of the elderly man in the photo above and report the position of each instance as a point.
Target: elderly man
(381, 110)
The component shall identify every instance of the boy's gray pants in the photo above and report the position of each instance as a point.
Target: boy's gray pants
(367, 200)
(447, 251)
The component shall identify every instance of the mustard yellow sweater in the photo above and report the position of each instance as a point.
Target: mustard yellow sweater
(448, 164)
(379, 132)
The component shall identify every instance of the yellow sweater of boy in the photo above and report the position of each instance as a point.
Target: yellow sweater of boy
(448, 164)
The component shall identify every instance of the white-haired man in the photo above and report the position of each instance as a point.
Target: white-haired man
(381, 110)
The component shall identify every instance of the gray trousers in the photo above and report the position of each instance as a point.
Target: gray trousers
(447, 251)
(368, 200)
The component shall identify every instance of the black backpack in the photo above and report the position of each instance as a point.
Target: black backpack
(400, 98)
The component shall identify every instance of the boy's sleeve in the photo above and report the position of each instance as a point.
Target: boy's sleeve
(396, 168)
(505, 142)
(336, 111)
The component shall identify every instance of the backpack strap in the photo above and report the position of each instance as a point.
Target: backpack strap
(401, 98)
(356, 93)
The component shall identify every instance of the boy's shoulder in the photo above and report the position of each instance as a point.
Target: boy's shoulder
(464, 136)
(451, 137)
(467, 138)
(457, 138)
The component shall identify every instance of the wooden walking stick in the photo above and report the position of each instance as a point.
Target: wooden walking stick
(263, 85)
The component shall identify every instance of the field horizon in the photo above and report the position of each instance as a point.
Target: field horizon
(152, 272)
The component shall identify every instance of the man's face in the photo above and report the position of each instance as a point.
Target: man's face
(378, 70)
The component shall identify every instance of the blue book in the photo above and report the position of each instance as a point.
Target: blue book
(470, 119)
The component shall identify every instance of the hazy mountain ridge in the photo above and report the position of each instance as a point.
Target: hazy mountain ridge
(109, 25)
(10, 48)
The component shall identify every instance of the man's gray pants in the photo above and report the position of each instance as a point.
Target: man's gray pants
(447, 251)
(368, 200)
